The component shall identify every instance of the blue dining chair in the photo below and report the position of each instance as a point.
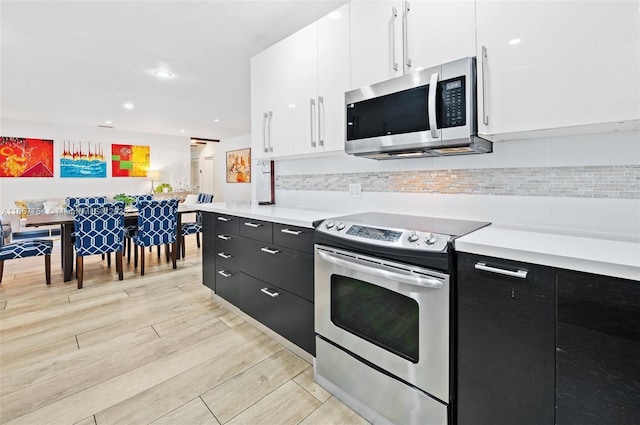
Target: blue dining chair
(194, 228)
(71, 202)
(99, 229)
(157, 225)
(129, 231)
(23, 249)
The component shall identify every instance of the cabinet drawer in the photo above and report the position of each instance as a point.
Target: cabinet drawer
(285, 313)
(228, 284)
(298, 238)
(230, 251)
(256, 229)
(227, 224)
(285, 268)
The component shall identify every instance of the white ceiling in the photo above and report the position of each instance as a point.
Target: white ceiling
(77, 62)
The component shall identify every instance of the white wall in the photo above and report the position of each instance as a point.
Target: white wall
(593, 215)
(169, 154)
(226, 192)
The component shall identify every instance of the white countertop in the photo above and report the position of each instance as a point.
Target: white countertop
(285, 215)
(599, 254)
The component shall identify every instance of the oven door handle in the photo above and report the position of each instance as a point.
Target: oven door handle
(408, 277)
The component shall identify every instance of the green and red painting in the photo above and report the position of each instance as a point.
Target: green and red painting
(129, 160)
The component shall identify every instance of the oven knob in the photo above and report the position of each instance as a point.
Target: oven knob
(430, 239)
(329, 224)
(340, 226)
(413, 236)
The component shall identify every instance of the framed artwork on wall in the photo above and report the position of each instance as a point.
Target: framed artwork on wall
(239, 166)
(130, 160)
(82, 159)
(24, 157)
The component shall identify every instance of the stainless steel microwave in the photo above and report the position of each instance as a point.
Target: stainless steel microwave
(431, 112)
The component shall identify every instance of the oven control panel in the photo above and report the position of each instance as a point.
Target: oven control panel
(375, 235)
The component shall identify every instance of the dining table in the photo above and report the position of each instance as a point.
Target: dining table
(65, 221)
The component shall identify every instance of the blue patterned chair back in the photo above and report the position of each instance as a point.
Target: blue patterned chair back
(205, 198)
(138, 198)
(88, 200)
(157, 221)
(99, 228)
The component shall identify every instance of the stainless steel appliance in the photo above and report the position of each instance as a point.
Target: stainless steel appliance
(431, 112)
(383, 312)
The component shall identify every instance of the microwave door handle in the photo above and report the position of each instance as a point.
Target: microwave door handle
(433, 119)
(410, 279)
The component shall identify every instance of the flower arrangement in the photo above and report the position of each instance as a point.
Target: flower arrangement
(163, 187)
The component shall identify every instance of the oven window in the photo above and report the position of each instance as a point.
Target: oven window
(383, 317)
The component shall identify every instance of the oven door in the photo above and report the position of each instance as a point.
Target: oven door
(393, 315)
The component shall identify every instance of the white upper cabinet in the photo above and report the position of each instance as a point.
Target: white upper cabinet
(392, 38)
(297, 90)
(271, 109)
(562, 66)
(333, 79)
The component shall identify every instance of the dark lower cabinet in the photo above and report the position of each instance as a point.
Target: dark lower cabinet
(506, 342)
(228, 284)
(598, 356)
(208, 250)
(285, 313)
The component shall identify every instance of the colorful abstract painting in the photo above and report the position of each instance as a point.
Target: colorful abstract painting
(82, 159)
(129, 160)
(23, 157)
(239, 166)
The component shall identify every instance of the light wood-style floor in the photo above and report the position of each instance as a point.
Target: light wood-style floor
(153, 349)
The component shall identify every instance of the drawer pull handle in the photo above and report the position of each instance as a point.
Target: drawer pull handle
(224, 237)
(224, 219)
(270, 251)
(291, 232)
(254, 225)
(224, 255)
(268, 292)
(522, 274)
(223, 273)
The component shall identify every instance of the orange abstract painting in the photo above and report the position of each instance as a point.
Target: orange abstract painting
(239, 166)
(23, 157)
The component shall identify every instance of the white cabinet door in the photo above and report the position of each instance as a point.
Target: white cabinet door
(557, 64)
(303, 58)
(376, 41)
(333, 79)
(271, 107)
(438, 31)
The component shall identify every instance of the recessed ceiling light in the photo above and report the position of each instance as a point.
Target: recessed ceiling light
(128, 105)
(181, 131)
(108, 122)
(515, 41)
(334, 15)
(216, 120)
(160, 73)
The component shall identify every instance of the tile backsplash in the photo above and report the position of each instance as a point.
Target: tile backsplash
(611, 181)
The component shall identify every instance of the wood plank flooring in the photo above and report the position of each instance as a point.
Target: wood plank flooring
(156, 349)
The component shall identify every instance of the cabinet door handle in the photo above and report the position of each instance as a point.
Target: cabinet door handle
(270, 251)
(223, 273)
(264, 133)
(224, 237)
(405, 36)
(270, 293)
(394, 14)
(270, 116)
(433, 118)
(312, 119)
(250, 224)
(224, 219)
(522, 274)
(320, 120)
(291, 232)
(485, 112)
(224, 255)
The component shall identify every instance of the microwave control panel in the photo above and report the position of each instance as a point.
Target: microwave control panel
(452, 102)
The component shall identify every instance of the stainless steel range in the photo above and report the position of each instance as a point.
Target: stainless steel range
(383, 313)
